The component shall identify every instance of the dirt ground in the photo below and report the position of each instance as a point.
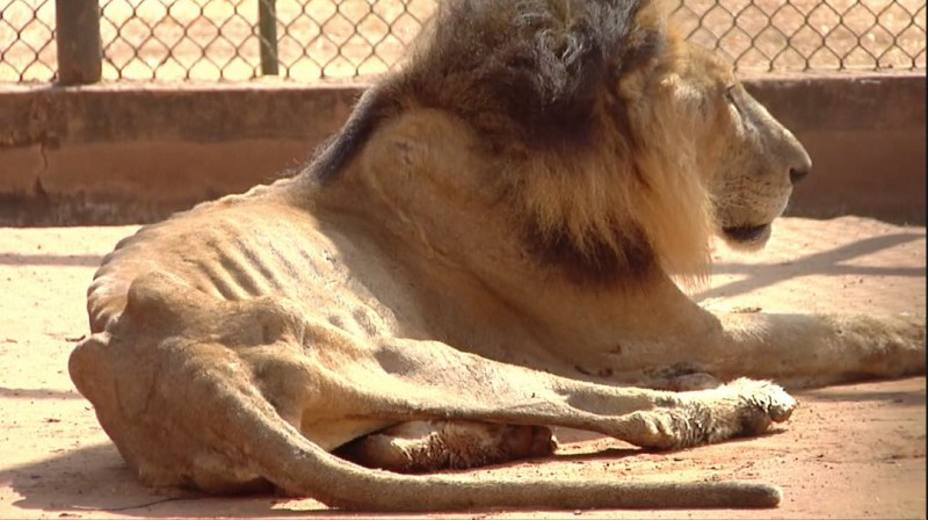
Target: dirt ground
(217, 40)
(854, 451)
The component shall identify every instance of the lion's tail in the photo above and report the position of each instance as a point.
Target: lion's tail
(222, 422)
(301, 467)
(247, 438)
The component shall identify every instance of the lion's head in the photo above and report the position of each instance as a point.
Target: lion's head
(616, 145)
(746, 160)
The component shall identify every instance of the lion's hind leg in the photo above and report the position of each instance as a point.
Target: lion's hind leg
(741, 408)
(428, 446)
(223, 396)
(435, 381)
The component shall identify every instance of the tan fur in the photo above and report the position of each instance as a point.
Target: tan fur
(422, 446)
(452, 272)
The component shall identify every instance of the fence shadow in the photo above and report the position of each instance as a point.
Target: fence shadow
(37, 393)
(825, 263)
(51, 260)
(914, 398)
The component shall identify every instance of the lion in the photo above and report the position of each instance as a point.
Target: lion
(516, 200)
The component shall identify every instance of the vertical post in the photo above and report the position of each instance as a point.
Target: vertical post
(267, 34)
(77, 28)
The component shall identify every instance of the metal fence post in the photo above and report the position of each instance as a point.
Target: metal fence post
(267, 34)
(80, 55)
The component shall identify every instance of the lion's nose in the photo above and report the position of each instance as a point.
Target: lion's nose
(801, 163)
(797, 174)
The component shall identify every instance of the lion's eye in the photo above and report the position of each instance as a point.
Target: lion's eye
(730, 94)
(730, 98)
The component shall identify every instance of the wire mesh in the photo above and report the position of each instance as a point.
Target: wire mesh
(213, 39)
(307, 40)
(27, 40)
(802, 35)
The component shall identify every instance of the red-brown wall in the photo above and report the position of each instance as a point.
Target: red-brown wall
(135, 153)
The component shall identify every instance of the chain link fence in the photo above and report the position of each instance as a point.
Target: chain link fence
(307, 40)
(27, 40)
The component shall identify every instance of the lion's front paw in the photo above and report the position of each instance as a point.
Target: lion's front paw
(880, 346)
(660, 429)
(781, 408)
(769, 398)
(758, 404)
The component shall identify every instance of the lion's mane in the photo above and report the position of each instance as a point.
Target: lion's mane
(564, 96)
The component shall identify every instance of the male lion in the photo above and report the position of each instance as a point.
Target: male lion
(510, 204)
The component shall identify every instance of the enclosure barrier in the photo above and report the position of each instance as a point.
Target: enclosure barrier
(308, 40)
(78, 25)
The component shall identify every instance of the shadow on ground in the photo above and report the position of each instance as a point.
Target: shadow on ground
(95, 479)
(826, 263)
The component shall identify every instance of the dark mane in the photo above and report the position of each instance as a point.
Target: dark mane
(533, 78)
(529, 70)
(525, 74)
(599, 264)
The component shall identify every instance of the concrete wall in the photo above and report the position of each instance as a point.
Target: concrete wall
(866, 136)
(135, 153)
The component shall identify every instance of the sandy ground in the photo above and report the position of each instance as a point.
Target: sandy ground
(855, 451)
(217, 40)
